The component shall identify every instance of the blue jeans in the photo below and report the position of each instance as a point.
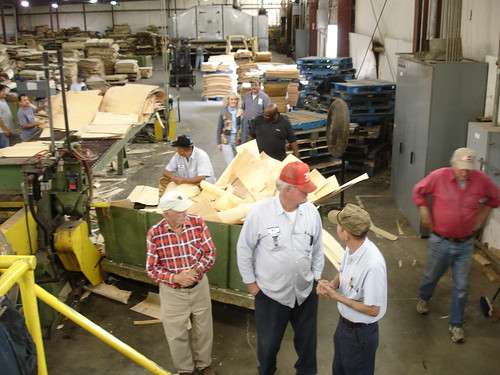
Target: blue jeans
(271, 319)
(4, 140)
(458, 256)
(355, 349)
(198, 62)
(229, 149)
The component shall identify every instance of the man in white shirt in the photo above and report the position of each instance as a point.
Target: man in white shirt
(360, 289)
(79, 85)
(190, 165)
(280, 257)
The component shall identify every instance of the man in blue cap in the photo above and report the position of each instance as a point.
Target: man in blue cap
(189, 165)
(79, 85)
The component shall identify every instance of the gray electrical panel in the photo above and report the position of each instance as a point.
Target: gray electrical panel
(435, 100)
(484, 138)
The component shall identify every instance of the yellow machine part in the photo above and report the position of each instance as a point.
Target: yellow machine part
(77, 252)
(21, 231)
(159, 130)
(172, 124)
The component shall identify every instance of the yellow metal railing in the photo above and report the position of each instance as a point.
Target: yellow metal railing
(20, 269)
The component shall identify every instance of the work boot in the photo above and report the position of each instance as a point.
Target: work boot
(423, 306)
(207, 371)
(457, 334)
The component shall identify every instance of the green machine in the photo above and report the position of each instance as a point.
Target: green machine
(125, 229)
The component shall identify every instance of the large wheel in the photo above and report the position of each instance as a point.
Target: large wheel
(337, 128)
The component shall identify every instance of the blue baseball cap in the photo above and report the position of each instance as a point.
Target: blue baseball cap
(183, 141)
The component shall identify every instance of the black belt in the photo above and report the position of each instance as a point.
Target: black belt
(189, 287)
(352, 324)
(454, 240)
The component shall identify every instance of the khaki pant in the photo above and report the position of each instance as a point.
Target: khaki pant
(177, 307)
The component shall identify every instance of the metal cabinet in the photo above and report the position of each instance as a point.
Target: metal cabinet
(434, 103)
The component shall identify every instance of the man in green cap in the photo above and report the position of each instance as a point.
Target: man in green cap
(253, 104)
(360, 289)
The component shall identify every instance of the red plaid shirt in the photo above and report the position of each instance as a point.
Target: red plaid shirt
(170, 253)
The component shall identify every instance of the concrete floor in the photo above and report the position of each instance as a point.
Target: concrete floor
(409, 343)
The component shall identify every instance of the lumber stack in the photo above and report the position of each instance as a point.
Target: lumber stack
(148, 43)
(263, 56)
(247, 71)
(91, 67)
(104, 49)
(116, 79)
(220, 78)
(97, 83)
(129, 67)
(119, 31)
(277, 81)
(242, 56)
(7, 66)
(73, 49)
(70, 70)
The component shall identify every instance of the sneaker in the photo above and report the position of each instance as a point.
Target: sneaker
(457, 334)
(423, 306)
(207, 371)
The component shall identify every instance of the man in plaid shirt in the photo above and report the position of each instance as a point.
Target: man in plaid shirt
(180, 252)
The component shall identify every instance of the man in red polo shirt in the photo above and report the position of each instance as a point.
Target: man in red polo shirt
(462, 199)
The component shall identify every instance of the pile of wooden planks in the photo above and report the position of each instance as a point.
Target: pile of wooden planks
(116, 79)
(97, 83)
(247, 71)
(7, 66)
(104, 49)
(263, 57)
(222, 79)
(242, 56)
(148, 43)
(129, 67)
(281, 82)
(91, 67)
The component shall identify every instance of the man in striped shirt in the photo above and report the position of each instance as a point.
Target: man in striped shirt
(179, 253)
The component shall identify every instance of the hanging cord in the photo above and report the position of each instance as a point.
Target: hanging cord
(371, 39)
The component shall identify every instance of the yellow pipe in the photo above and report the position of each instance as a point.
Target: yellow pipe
(100, 204)
(100, 333)
(7, 260)
(30, 308)
(11, 204)
(11, 276)
(20, 269)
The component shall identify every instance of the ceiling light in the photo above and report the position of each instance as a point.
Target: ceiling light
(54, 5)
(25, 4)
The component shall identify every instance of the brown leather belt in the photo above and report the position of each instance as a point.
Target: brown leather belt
(454, 240)
(352, 324)
(189, 287)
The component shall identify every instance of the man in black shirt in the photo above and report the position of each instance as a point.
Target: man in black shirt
(272, 131)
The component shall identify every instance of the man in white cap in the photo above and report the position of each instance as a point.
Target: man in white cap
(280, 257)
(179, 253)
(462, 199)
(360, 289)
